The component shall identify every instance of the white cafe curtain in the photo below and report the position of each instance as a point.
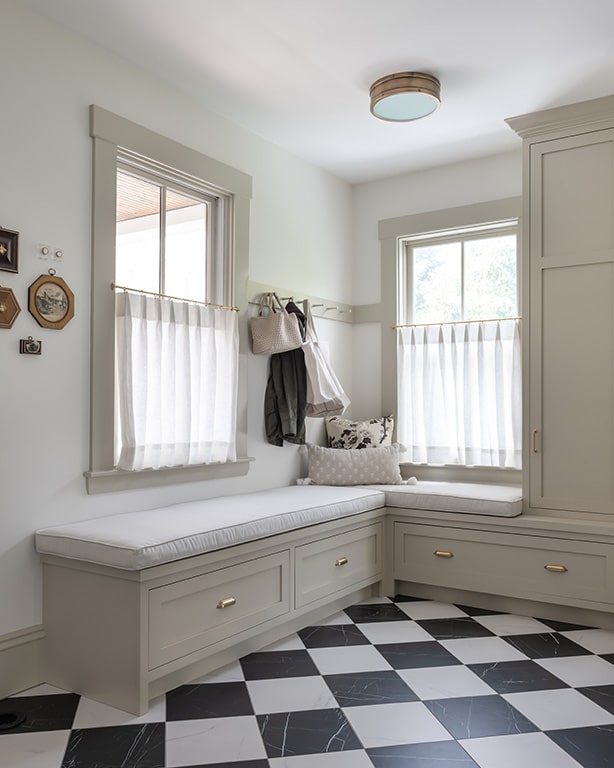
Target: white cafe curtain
(177, 373)
(459, 393)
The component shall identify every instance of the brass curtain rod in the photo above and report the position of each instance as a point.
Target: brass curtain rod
(455, 322)
(115, 287)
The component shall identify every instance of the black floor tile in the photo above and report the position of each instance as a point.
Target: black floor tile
(608, 657)
(408, 599)
(449, 629)
(193, 702)
(414, 655)
(592, 747)
(126, 746)
(332, 635)
(471, 611)
(436, 754)
(545, 645)
(375, 612)
(305, 733)
(272, 664)
(603, 695)
(562, 626)
(42, 713)
(472, 717)
(516, 676)
(363, 688)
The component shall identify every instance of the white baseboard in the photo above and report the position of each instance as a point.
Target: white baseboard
(21, 660)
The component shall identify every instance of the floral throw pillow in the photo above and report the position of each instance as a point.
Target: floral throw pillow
(373, 433)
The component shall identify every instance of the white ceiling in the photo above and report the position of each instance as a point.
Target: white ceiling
(297, 72)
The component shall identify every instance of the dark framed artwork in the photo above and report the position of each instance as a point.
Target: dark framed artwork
(9, 251)
(50, 301)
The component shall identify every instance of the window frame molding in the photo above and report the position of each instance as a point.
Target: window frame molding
(392, 232)
(112, 134)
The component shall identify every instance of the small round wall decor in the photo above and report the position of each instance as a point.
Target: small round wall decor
(51, 302)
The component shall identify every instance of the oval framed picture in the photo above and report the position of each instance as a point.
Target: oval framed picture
(51, 302)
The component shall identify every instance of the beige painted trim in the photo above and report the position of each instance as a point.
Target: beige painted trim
(21, 660)
(390, 233)
(582, 117)
(110, 133)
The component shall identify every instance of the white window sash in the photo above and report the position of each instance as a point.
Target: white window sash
(177, 379)
(459, 390)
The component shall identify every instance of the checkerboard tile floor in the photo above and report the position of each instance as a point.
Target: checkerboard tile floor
(389, 683)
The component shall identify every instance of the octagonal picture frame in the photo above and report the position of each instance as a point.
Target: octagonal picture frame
(51, 302)
(9, 307)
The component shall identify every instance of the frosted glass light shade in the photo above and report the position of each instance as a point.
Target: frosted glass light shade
(405, 96)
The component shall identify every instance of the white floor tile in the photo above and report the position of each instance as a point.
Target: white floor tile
(92, 714)
(429, 609)
(380, 632)
(336, 618)
(350, 759)
(482, 650)
(354, 658)
(595, 640)
(504, 624)
(522, 750)
(563, 708)
(444, 682)
(33, 750)
(290, 643)
(387, 724)
(216, 740)
(290, 694)
(231, 673)
(579, 671)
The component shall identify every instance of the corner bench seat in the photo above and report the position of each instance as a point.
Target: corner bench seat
(138, 603)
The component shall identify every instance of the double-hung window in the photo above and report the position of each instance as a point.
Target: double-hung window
(176, 350)
(170, 234)
(458, 353)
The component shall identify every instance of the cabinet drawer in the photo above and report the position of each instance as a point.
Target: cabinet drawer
(338, 562)
(530, 567)
(194, 613)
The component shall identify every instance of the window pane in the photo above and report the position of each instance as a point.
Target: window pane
(437, 283)
(137, 255)
(490, 278)
(186, 247)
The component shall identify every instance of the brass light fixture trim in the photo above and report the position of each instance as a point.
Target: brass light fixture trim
(405, 96)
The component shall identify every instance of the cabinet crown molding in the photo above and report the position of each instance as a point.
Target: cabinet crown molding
(580, 117)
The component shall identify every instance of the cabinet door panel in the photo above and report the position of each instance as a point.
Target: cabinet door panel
(571, 314)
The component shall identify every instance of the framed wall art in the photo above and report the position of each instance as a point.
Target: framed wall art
(50, 301)
(9, 307)
(9, 241)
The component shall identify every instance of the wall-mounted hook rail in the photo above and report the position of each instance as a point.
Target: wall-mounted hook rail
(330, 310)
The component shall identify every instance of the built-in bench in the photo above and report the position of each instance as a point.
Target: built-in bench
(138, 603)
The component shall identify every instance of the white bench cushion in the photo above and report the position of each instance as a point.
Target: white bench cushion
(471, 498)
(136, 540)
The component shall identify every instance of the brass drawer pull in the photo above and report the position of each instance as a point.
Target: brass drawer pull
(227, 602)
(342, 561)
(555, 568)
(443, 553)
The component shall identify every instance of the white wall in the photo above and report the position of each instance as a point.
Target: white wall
(476, 181)
(300, 236)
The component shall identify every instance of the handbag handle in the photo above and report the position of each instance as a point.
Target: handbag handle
(310, 328)
(268, 300)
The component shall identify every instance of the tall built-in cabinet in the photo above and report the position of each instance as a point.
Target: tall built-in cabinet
(557, 558)
(568, 308)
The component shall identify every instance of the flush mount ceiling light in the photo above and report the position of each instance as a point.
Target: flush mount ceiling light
(405, 96)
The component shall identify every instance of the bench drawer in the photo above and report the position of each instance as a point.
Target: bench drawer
(338, 562)
(530, 567)
(194, 613)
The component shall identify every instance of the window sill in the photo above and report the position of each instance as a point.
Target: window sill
(121, 480)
